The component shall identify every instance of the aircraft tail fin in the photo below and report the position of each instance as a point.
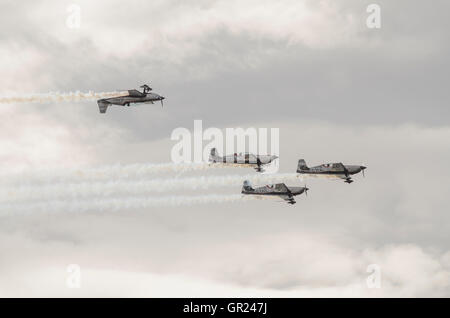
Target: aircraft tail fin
(214, 155)
(102, 106)
(302, 165)
(247, 186)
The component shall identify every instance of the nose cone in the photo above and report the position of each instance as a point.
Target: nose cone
(274, 157)
(161, 97)
(362, 170)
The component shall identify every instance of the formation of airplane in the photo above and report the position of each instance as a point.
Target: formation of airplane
(256, 161)
(246, 159)
(134, 96)
(336, 170)
(279, 190)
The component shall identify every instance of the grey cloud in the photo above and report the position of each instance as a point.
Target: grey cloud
(376, 97)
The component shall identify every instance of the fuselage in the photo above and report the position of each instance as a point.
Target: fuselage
(126, 100)
(271, 191)
(329, 169)
(247, 159)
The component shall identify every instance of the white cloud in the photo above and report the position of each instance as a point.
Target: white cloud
(180, 29)
(320, 247)
(286, 265)
(176, 33)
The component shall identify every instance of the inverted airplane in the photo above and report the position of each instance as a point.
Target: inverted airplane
(336, 170)
(134, 96)
(246, 159)
(278, 190)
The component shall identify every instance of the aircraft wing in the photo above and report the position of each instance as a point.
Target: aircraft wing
(340, 167)
(281, 187)
(345, 175)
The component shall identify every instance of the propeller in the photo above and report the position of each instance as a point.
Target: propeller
(362, 169)
(306, 190)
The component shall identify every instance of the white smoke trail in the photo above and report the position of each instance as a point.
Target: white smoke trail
(54, 97)
(113, 205)
(106, 173)
(61, 191)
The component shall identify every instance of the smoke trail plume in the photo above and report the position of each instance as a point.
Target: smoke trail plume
(113, 205)
(106, 173)
(54, 97)
(61, 191)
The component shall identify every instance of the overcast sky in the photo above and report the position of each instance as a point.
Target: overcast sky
(337, 90)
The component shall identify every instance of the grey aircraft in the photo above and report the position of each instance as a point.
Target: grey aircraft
(251, 160)
(134, 96)
(336, 170)
(279, 190)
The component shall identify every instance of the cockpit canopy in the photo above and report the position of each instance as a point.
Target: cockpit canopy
(334, 166)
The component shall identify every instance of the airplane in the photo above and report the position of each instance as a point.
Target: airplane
(134, 96)
(278, 189)
(251, 160)
(336, 170)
